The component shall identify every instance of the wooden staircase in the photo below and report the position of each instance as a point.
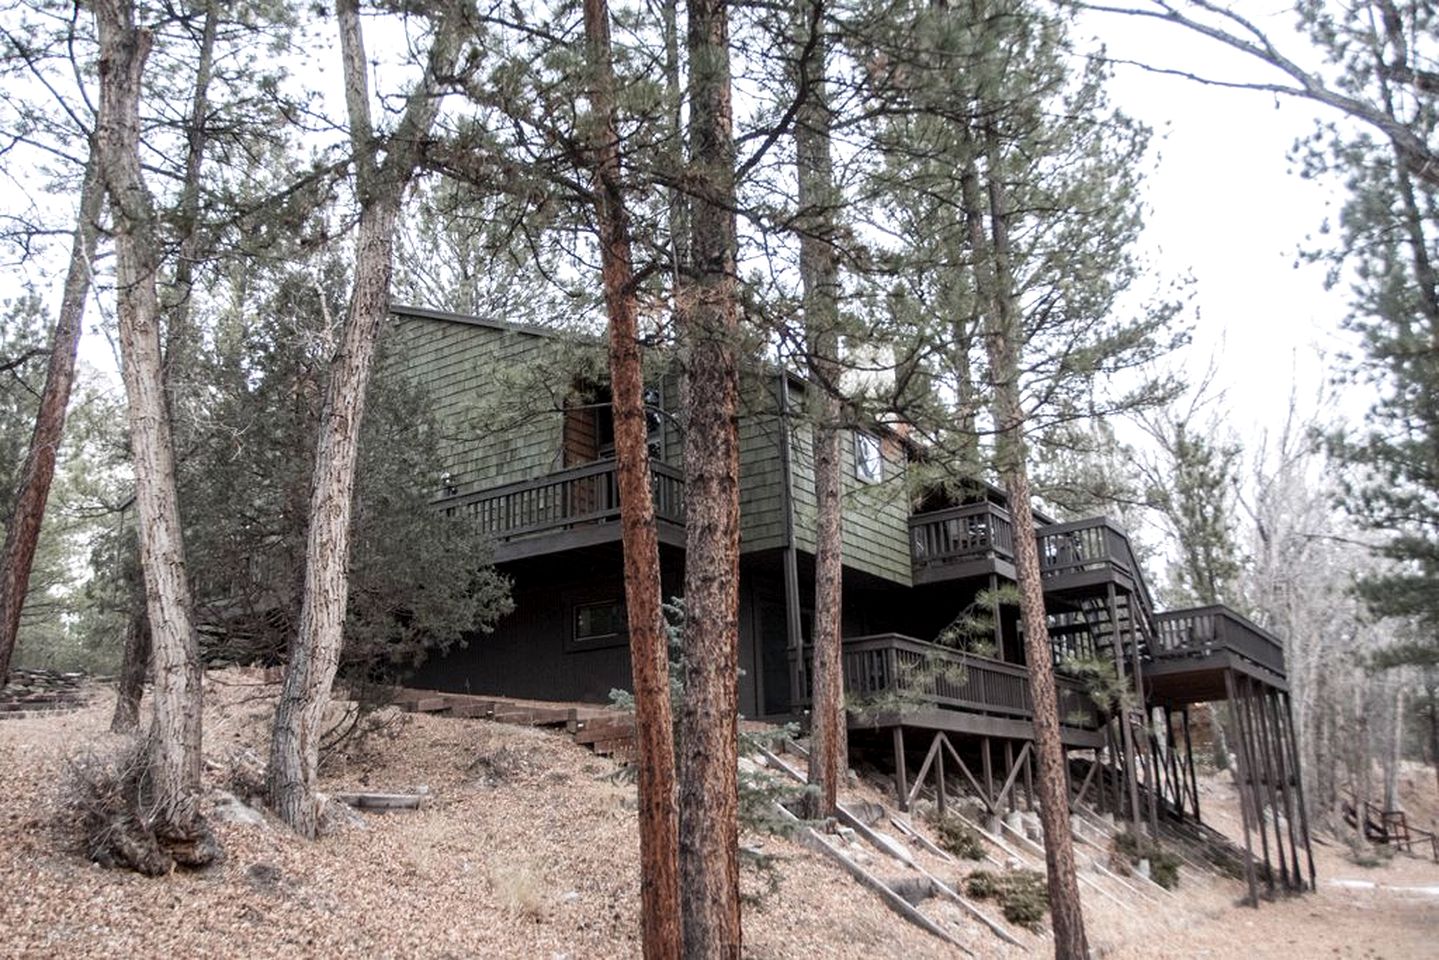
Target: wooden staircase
(606, 731)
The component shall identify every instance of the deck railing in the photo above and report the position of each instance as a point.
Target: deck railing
(894, 668)
(1091, 544)
(971, 532)
(564, 499)
(1204, 630)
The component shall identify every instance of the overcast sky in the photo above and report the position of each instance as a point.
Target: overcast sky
(1225, 206)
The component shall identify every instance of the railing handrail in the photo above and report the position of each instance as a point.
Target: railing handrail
(1232, 631)
(1118, 549)
(546, 479)
(954, 513)
(977, 692)
(901, 641)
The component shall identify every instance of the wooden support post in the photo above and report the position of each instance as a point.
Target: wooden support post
(1261, 763)
(1116, 764)
(988, 769)
(1272, 788)
(1007, 790)
(1009, 773)
(1029, 779)
(939, 777)
(1253, 789)
(1189, 761)
(1089, 779)
(1299, 786)
(924, 768)
(901, 781)
(1244, 812)
(1286, 787)
(968, 775)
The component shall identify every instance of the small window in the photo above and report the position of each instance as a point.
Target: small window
(599, 624)
(868, 458)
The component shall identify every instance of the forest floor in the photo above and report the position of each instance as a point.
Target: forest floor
(526, 847)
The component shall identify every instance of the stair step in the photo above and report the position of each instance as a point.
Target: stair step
(426, 705)
(595, 731)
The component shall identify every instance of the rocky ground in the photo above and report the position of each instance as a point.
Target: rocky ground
(525, 847)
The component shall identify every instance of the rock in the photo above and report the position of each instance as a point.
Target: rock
(866, 813)
(570, 896)
(336, 816)
(231, 809)
(971, 810)
(263, 875)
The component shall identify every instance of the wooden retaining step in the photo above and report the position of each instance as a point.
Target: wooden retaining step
(606, 732)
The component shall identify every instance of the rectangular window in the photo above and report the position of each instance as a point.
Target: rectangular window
(600, 624)
(868, 458)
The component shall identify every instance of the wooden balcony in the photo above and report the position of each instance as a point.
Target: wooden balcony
(571, 508)
(977, 539)
(1194, 647)
(973, 540)
(893, 679)
(1084, 556)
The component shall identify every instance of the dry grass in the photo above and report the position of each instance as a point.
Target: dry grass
(520, 891)
(531, 853)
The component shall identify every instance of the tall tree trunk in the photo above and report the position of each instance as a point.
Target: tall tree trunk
(1431, 693)
(709, 789)
(1394, 749)
(1002, 338)
(315, 652)
(649, 654)
(175, 310)
(24, 532)
(173, 771)
(819, 274)
(130, 689)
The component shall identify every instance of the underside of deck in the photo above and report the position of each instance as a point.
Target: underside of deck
(968, 723)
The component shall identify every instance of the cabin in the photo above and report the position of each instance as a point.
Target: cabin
(529, 457)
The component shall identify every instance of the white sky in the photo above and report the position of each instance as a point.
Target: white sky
(1225, 206)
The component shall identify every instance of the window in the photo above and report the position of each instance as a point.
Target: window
(868, 458)
(600, 624)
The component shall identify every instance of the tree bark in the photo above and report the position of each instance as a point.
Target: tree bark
(708, 790)
(1394, 749)
(173, 771)
(175, 309)
(1002, 337)
(23, 535)
(315, 651)
(819, 275)
(130, 689)
(649, 654)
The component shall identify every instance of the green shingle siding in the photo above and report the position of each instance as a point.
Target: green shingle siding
(482, 378)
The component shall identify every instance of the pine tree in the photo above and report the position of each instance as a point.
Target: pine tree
(708, 311)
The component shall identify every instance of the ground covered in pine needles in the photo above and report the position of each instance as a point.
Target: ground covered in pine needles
(526, 847)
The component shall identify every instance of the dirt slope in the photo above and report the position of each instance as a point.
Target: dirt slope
(526, 849)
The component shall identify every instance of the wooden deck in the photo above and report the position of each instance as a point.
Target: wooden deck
(1081, 557)
(1194, 648)
(565, 510)
(894, 680)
